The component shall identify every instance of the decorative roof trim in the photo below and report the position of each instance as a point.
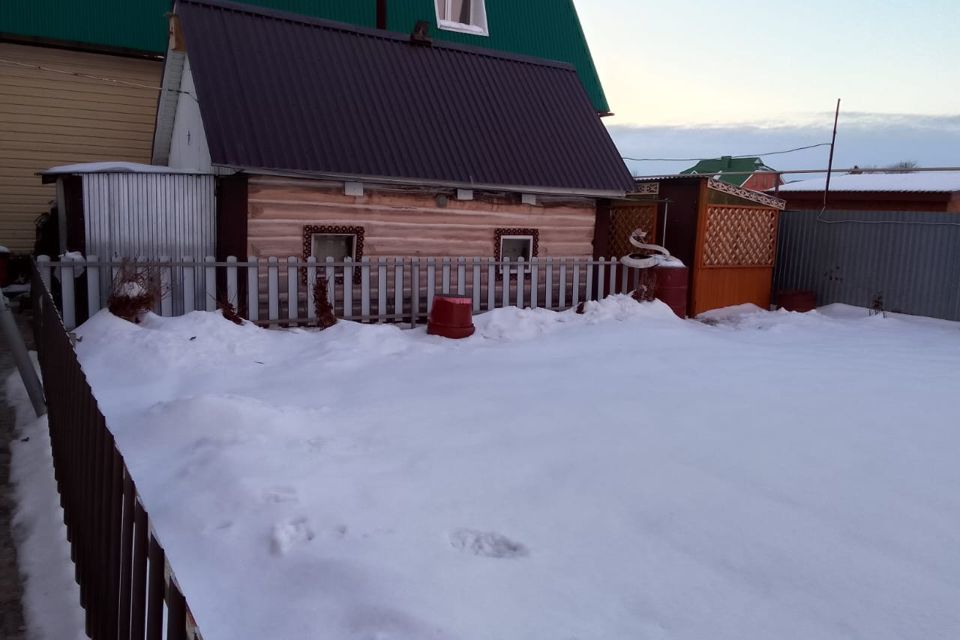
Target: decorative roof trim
(747, 194)
(647, 189)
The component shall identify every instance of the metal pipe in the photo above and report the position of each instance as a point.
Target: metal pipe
(381, 14)
(11, 333)
(799, 171)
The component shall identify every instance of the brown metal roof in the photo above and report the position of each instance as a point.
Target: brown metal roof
(284, 93)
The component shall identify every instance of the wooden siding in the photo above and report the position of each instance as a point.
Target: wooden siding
(407, 224)
(722, 287)
(49, 118)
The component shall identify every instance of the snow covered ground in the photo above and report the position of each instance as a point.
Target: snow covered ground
(616, 475)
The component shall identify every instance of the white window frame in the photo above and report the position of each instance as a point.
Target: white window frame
(478, 19)
(526, 259)
(313, 245)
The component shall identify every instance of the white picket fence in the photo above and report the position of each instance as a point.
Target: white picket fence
(399, 290)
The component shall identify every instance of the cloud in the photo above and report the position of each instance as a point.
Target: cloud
(864, 139)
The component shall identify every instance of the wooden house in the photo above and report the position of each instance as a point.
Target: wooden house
(339, 141)
(895, 191)
(79, 81)
(726, 235)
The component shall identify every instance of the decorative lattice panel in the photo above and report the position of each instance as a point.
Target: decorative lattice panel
(740, 236)
(623, 222)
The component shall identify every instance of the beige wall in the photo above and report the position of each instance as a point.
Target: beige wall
(407, 224)
(49, 118)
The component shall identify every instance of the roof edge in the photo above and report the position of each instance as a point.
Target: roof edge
(413, 182)
(373, 33)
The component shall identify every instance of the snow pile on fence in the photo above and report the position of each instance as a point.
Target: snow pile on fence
(617, 474)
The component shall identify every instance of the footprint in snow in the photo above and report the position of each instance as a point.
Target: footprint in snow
(280, 495)
(290, 534)
(489, 544)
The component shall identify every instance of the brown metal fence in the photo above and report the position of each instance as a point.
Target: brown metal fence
(126, 586)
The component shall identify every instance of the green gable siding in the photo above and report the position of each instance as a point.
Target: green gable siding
(542, 28)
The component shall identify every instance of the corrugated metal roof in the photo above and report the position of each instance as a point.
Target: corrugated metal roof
(285, 93)
(917, 182)
(718, 168)
(542, 28)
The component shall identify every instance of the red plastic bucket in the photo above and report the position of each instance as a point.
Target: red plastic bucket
(451, 317)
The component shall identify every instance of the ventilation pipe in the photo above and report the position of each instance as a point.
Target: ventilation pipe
(382, 14)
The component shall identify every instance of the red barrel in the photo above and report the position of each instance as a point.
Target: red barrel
(451, 317)
(797, 300)
(672, 284)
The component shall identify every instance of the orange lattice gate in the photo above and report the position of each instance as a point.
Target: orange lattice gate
(735, 252)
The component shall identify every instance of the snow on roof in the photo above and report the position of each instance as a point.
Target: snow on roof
(931, 182)
(110, 167)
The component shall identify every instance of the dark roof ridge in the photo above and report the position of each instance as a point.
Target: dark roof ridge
(297, 18)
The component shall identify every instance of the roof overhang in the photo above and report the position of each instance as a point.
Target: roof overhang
(418, 182)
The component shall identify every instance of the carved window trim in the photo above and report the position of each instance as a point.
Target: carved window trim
(498, 235)
(337, 230)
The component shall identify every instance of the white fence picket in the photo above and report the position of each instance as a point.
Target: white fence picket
(67, 286)
(398, 288)
(348, 271)
(446, 276)
(253, 290)
(475, 285)
(189, 285)
(381, 290)
(521, 281)
(365, 288)
(331, 280)
(575, 298)
(505, 297)
(534, 281)
(232, 289)
(93, 286)
(414, 291)
(491, 284)
(166, 287)
(562, 293)
(311, 288)
(273, 289)
(588, 296)
(600, 281)
(210, 280)
(431, 283)
(461, 277)
(548, 287)
(293, 313)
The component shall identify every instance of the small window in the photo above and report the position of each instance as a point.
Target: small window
(338, 246)
(469, 16)
(513, 248)
(512, 244)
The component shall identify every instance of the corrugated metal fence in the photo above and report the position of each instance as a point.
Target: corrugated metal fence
(907, 262)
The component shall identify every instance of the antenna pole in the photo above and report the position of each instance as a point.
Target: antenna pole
(833, 142)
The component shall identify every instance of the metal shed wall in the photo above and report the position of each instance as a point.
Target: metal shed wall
(908, 260)
(129, 215)
(152, 215)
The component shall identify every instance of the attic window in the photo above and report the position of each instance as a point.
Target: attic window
(467, 16)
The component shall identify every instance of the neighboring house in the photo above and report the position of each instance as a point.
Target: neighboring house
(348, 142)
(79, 80)
(901, 191)
(748, 173)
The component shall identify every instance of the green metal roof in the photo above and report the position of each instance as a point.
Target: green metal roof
(718, 167)
(542, 28)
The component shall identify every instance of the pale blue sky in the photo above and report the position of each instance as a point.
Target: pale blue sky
(772, 70)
